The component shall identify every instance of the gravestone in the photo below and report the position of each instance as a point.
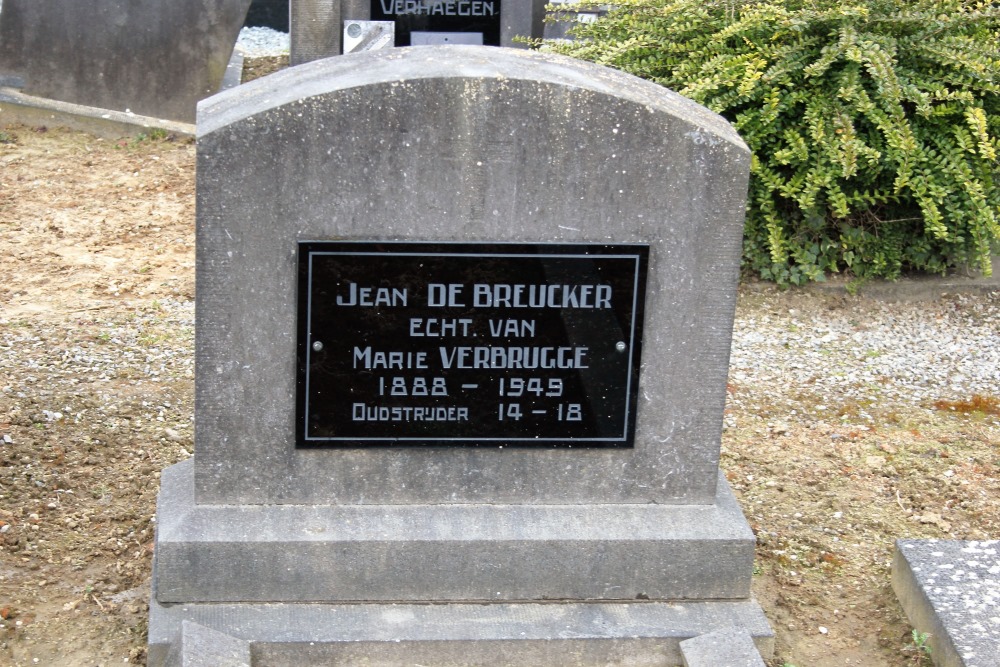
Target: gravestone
(463, 327)
(147, 57)
(316, 25)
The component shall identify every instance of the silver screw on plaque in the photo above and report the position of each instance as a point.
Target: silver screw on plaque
(620, 346)
(368, 35)
(318, 346)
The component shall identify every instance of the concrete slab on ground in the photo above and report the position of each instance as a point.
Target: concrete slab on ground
(950, 589)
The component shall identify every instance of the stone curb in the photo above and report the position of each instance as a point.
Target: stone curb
(917, 288)
(16, 107)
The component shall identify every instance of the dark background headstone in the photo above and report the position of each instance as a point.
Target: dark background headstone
(316, 26)
(268, 14)
(481, 18)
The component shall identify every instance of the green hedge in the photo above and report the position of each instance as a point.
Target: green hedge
(874, 125)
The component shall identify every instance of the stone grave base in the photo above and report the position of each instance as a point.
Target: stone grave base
(490, 635)
(448, 584)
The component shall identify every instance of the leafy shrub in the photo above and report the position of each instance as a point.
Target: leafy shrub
(873, 123)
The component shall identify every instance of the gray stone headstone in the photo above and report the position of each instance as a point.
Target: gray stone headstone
(147, 57)
(327, 554)
(461, 144)
(950, 590)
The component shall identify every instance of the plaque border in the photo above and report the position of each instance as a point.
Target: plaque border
(307, 249)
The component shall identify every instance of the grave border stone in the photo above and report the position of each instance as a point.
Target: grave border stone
(949, 590)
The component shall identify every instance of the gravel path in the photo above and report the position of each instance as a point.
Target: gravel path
(51, 361)
(814, 356)
(259, 41)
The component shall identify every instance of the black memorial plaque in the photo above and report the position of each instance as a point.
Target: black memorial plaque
(450, 20)
(469, 344)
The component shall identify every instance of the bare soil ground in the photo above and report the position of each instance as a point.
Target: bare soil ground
(96, 335)
(96, 384)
